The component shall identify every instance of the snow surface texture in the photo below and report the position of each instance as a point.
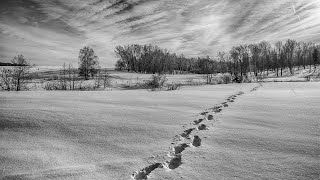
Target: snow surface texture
(182, 141)
(94, 135)
(271, 132)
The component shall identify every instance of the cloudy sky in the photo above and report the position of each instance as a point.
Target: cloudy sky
(50, 32)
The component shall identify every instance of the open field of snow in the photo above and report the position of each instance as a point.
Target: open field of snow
(270, 132)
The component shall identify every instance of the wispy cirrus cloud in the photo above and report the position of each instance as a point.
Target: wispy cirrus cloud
(52, 32)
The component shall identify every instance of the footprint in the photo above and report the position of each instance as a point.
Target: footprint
(255, 88)
(181, 147)
(143, 173)
(196, 122)
(175, 162)
(203, 113)
(196, 141)
(217, 110)
(187, 132)
(216, 107)
(210, 117)
(202, 127)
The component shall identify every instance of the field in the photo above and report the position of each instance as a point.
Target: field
(130, 80)
(118, 79)
(270, 132)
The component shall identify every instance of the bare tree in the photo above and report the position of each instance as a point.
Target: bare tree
(299, 52)
(63, 81)
(289, 48)
(16, 77)
(88, 62)
(315, 56)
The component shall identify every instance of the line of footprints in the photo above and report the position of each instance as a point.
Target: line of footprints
(185, 140)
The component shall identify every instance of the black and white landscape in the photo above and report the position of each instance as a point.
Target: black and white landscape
(159, 89)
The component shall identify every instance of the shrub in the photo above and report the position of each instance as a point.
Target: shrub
(238, 79)
(226, 78)
(259, 77)
(53, 85)
(172, 87)
(249, 79)
(220, 80)
(80, 85)
(157, 81)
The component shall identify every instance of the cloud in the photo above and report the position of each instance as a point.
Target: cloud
(52, 32)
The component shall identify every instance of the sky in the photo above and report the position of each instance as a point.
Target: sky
(51, 32)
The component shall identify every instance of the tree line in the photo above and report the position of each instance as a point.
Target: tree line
(264, 57)
(150, 59)
(153, 59)
(257, 58)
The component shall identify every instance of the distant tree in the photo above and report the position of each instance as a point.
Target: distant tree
(289, 48)
(120, 65)
(88, 62)
(21, 72)
(15, 77)
(222, 60)
(315, 56)
(255, 55)
(265, 50)
(280, 59)
(299, 52)
(235, 56)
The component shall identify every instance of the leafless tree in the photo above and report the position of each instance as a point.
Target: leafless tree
(88, 62)
(16, 76)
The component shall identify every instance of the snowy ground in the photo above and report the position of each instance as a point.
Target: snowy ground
(271, 132)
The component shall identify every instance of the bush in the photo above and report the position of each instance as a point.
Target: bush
(220, 81)
(238, 79)
(259, 77)
(226, 78)
(172, 87)
(249, 79)
(79, 85)
(157, 81)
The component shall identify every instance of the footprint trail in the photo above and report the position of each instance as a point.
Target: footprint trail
(182, 141)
